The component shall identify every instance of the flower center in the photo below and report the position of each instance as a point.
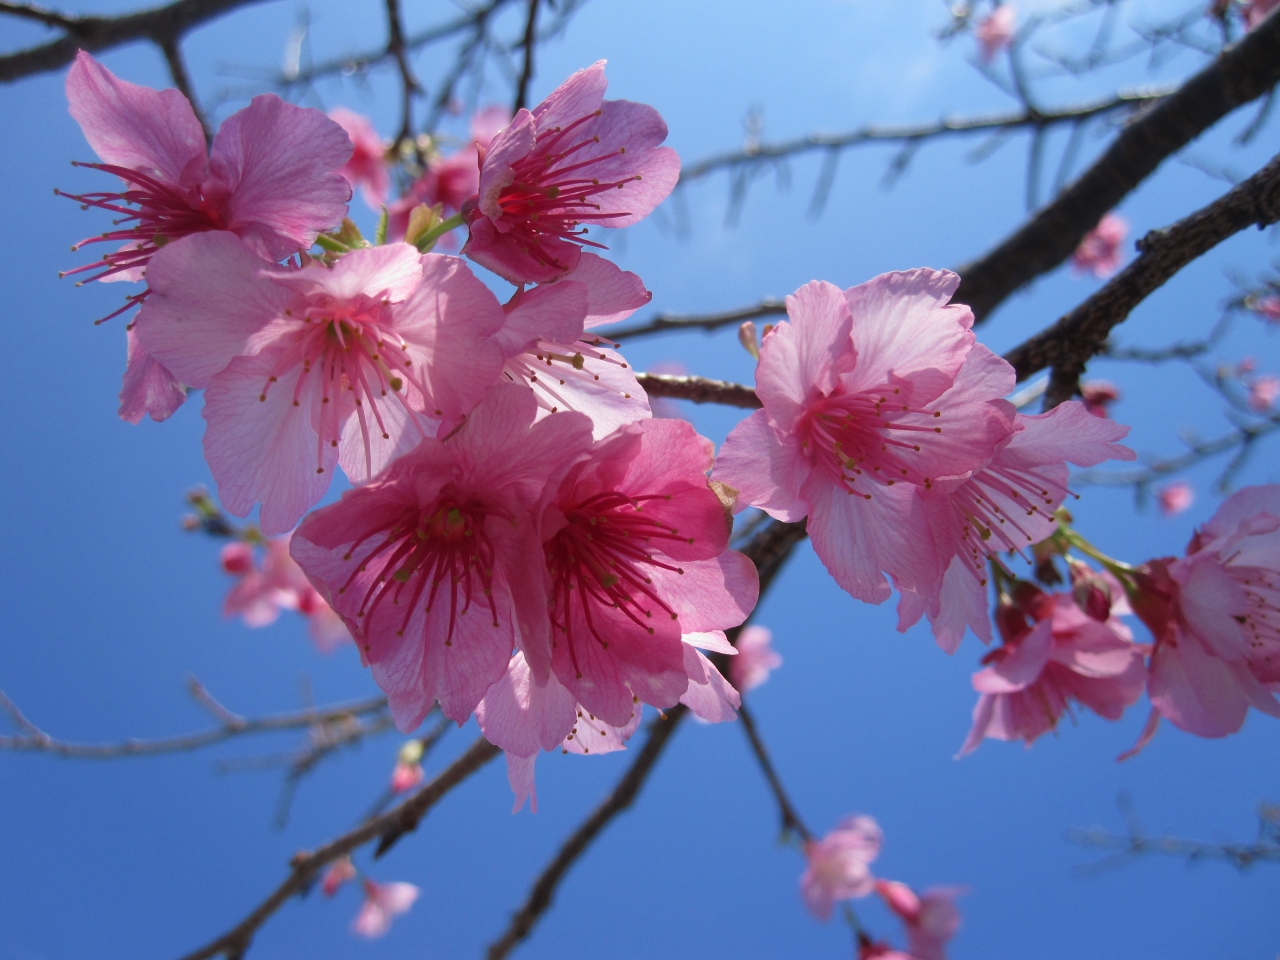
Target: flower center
(869, 437)
(553, 192)
(993, 502)
(431, 556)
(152, 214)
(599, 559)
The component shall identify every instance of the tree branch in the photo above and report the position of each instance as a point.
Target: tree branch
(172, 51)
(34, 740)
(409, 83)
(1068, 345)
(529, 42)
(159, 25)
(791, 822)
(699, 390)
(387, 828)
(665, 322)
(1241, 74)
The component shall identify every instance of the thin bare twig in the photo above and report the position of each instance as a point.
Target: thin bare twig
(666, 322)
(172, 50)
(528, 43)
(699, 390)
(387, 828)
(408, 82)
(791, 822)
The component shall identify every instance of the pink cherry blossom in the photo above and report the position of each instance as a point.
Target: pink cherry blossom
(405, 776)
(314, 367)
(1215, 618)
(551, 349)
(839, 865)
(1098, 395)
(577, 160)
(1267, 307)
(339, 872)
(1174, 498)
(637, 553)
(995, 31)
(269, 179)
(1263, 392)
(433, 564)
(1053, 653)
(1255, 11)
(931, 918)
(870, 395)
(383, 902)
(1006, 506)
(453, 180)
(367, 168)
(756, 658)
(1101, 251)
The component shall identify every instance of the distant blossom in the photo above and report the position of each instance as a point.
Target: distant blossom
(931, 918)
(756, 658)
(1174, 498)
(1098, 395)
(1255, 11)
(1268, 307)
(1263, 391)
(367, 168)
(383, 903)
(339, 872)
(838, 867)
(995, 31)
(1102, 250)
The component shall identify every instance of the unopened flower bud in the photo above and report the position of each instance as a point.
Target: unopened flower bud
(411, 752)
(749, 339)
(405, 777)
(337, 874)
(237, 558)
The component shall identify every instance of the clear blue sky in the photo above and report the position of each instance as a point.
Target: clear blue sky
(108, 605)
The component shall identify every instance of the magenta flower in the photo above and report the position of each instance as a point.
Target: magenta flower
(576, 161)
(756, 658)
(319, 366)
(637, 554)
(1214, 615)
(1098, 395)
(269, 179)
(931, 918)
(995, 33)
(367, 167)
(839, 865)
(1175, 498)
(1101, 251)
(1005, 506)
(1263, 392)
(433, 564)
(864, 407)
(548, 344)
(383, 902)
(1053, 653)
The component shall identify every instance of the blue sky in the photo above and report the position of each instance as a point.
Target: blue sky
(109, 605)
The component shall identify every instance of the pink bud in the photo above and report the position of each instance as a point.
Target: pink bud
(237, 558)
(337, 874)
(1175, 498)
(405, 777)
(749, 339)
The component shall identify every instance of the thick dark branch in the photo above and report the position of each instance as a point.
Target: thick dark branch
(919, 132)
(159, 25)
(529, 42)
(699, 390)
(618, 800)
(1243, 73)
(665, 322)
(29, 11)
(34, 740)
(305, 867)
(768, 550)
(1068, 345)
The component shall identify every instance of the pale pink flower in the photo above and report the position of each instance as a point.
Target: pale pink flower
(383, 902)
(1102, 249)
(1263, 392)
(270, 179)
(453, 180)
(575, 160)
(838, 866)
(432, 564)
(931, 918)
(309, 368)
(1215, 618)
(756, 658)
(1255, 11)
(549, 346)
(1053, 654)
(865, 406)
(1006, 506)
(1098, 395)
(339, 872)
(995, 31)
(367, 168)
(1175, 498)
(637, 554)
(405, 776)
(1267, 307)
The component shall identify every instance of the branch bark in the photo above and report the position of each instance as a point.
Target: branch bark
(1241, 74)
(1071, 342)
(699, 390)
